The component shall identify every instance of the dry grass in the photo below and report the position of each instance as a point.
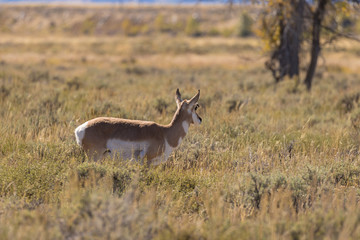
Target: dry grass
(266, 163)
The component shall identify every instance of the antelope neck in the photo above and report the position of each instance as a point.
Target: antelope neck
(175, 131)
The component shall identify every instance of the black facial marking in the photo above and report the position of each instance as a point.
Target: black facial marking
(196, 106)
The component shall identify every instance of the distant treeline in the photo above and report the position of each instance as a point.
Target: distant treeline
(127, 20)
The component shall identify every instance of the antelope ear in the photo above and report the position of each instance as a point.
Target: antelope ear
(195, 99)
(178, 98)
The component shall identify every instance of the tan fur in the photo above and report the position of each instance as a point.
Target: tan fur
(99, 130)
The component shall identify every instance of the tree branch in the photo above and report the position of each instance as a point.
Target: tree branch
(340, 34)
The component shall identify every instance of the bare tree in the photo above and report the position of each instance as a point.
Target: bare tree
(285, 57)
(284, 24)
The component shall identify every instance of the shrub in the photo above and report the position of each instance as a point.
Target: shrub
(131, 28)
(228, 32)
(213, 32)
(245, 25)
(121, 179)
(88, 26)
(160, 24)
(161, 105)
(348, 102)
(355, 119)
(192, 27)
(357, 26)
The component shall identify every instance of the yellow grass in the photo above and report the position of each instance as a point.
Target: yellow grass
(267, 162)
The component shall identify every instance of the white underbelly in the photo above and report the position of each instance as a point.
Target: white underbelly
(127, 149)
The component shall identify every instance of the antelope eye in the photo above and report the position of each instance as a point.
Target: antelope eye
(197, 106)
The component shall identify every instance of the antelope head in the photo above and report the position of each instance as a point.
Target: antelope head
(187, 108)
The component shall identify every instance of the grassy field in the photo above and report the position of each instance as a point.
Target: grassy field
(267, 162)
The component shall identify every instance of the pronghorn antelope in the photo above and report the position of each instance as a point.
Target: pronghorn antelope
(135, 139)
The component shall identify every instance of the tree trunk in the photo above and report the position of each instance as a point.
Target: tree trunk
(296, 38)
(315, 48)
(284, 60)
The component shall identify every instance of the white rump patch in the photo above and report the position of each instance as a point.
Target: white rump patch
(80, 133)
(127, 149)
